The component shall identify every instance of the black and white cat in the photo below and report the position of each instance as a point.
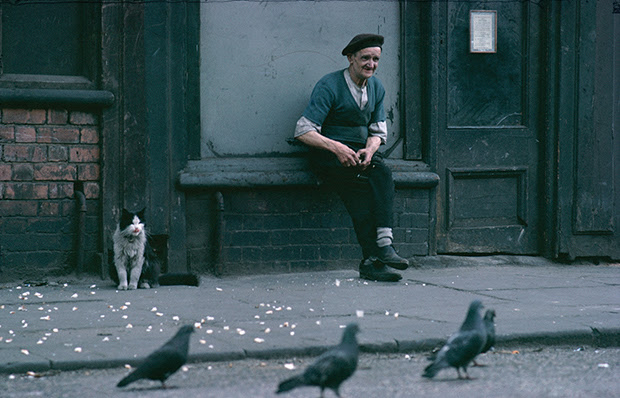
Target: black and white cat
(135, 262)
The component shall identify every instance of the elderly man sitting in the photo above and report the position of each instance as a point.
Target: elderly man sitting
(344, 125)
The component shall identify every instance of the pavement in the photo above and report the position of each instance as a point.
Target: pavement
(73, 323)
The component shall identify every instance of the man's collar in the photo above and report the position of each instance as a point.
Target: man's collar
(347, 77)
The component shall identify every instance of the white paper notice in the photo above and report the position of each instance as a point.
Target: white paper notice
(482, 31)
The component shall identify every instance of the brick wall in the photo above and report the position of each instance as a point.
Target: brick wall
(293, 229)
(43, 153)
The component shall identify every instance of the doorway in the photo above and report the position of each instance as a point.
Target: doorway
(486, 117)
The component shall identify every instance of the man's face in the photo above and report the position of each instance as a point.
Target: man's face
(364, 63)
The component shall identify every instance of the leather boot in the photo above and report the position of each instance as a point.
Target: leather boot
(377, 271)
(387, 255)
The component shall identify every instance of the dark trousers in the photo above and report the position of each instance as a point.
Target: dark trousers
(368, 195)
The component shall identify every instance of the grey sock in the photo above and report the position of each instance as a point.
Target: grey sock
(384, 236)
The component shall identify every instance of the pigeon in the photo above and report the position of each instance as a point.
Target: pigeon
(163, 362)
(489, 325)
(463, 346)
(331, 368)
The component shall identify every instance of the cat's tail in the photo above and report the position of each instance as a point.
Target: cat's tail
(179, 278)
(112, 272)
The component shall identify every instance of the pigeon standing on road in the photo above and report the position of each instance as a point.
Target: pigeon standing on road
(489, 325)
(331, 368)
(463, 346)
(163, 362)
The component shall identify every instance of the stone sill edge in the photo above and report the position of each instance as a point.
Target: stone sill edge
(218, 173)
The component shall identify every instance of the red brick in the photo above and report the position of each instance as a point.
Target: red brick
(5, 172)
(25, 153)
(55, 172)
(91, 190)
(24, 116)
(60, 190)
(57, 116)
(48, 208)
(90, 135)
(39, 154)
(13, 225)
(57, 153)
(83, 118)
(88, 172)
(65, 135)
(68, 208)
(25, 134)
(7, 133)
(45, 134)
(25, 191)
(18, 208)
(9, 191)
(23, 172)
(84, 154)
(17, 153)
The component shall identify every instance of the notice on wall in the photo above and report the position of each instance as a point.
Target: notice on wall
(483, 31)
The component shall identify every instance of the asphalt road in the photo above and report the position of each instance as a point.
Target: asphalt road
(532, 372)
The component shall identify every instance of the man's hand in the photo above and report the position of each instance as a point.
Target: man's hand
(365, 154)
(347, 156)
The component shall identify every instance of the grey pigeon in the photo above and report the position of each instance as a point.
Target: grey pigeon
(331, 368)
(163, 362)
(489, 325)
(463, 346)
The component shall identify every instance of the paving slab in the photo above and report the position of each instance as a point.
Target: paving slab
(87, 323)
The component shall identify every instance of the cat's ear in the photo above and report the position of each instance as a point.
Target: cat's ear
(140, 214)
(126, 218)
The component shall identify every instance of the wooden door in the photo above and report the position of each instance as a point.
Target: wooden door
(486, 117)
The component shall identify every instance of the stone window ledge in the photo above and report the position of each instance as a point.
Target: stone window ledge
(35, 98)
(218, 173)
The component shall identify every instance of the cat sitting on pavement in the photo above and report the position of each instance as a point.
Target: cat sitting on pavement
(135, 261)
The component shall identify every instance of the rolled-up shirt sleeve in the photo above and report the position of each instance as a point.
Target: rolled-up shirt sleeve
(304, 125)
(378, 129)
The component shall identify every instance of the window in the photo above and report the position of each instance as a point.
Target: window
(48, 44)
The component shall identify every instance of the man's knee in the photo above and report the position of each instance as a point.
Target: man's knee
(382, 171)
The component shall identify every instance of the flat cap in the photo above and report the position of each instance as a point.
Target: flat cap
(362, 41)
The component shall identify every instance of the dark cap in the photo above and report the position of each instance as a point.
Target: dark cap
(362, 41)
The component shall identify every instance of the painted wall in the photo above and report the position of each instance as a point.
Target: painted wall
(261, 59)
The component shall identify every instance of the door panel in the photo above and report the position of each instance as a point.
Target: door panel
(588, 148)
(487, 116)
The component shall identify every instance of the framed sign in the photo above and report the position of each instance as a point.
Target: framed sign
(482, 31)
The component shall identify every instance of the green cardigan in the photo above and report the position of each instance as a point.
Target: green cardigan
(333, 108)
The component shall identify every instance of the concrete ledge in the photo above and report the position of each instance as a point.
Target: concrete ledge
(55, 97)
(218, 173)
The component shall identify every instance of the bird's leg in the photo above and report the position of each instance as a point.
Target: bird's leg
(458, 371)
(163, 385)
(467, 374)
